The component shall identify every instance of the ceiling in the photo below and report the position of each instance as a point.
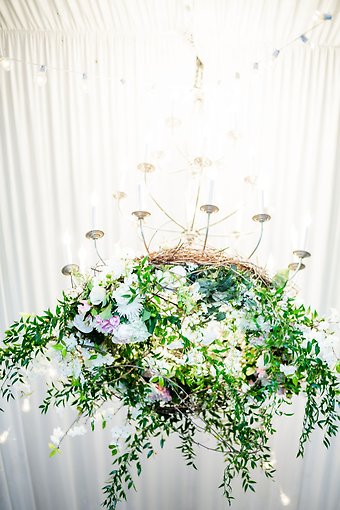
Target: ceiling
(276, 129)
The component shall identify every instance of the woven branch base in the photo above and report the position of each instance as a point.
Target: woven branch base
(209, 257)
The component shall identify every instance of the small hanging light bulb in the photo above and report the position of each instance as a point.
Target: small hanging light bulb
(303, 38)
(275, 54)
(322, 16)
(41, 76)
(84, 83)
(5, 63)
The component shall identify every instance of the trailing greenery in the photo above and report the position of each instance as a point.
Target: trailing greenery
(179, 350)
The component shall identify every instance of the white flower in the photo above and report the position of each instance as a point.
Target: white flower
(126, 309)
(194, 357)
(114, 268)
(70, 342)
(176, 344)
(56, 436)
(97, 295)
(260, 363)
(194, 291)
(119, 433)
(264, 325)
(130, 310)
(99, 361)
(179, 271)
(85, 326)
(233, 361)
(70, 367)
(211, 332)
(287, 369)
(132, 332)
(77, 430)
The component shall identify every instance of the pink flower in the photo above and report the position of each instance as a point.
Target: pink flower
(108, 325)
(83, 307)
(159, 394)
(261, 373)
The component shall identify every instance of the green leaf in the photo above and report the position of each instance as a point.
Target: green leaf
(281, 277)
(106, 313)
(146, 315)
(54, 449)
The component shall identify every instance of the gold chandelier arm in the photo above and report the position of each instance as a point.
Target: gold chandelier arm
(196, 203)
(160, 207)
(258, 242)
(141, 230)
(156, 232)
(221, 220)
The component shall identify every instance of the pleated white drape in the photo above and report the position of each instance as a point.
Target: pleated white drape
(58, 144)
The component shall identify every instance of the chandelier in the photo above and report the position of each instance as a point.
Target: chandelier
(191, 237)
(183, 341)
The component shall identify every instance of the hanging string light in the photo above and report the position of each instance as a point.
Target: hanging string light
(41, 76)
(5, 63)
(84, 84)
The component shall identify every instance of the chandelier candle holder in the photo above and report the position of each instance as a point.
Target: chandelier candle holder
(70, 270)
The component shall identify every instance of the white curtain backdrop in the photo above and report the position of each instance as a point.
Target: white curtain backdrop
(58, 145)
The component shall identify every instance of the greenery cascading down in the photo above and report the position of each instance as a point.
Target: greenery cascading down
(178, 349)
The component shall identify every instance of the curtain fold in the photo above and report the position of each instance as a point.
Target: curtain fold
(58, 145)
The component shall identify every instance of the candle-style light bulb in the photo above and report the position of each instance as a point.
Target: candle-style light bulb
(67, 247)
(94, 211)
(211, 191)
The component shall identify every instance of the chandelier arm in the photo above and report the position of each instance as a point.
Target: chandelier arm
(221, 220)
(258, 242)
(295, 272)
(160, 207)
(124, 214)
(140, 221)
(156, 232)
(196, 204)
(99, 256)
(162, 229)
(206, 231)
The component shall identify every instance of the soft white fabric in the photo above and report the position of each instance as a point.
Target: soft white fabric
(58, 144)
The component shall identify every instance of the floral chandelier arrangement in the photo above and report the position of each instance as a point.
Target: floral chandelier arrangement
(189, 342)
(183, 341)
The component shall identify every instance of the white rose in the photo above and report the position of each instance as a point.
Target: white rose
(97, 295)
(129, 333)
(81, 325)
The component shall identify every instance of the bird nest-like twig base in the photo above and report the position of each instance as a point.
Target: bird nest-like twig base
(209, 257)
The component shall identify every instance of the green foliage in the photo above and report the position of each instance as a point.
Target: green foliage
(223, 351)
